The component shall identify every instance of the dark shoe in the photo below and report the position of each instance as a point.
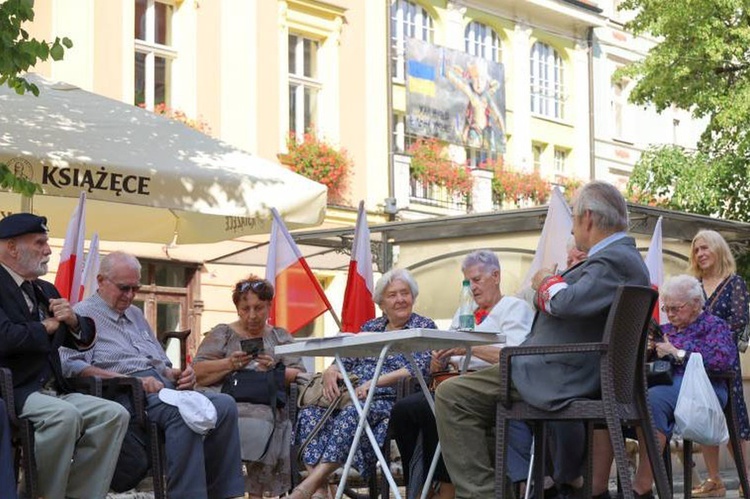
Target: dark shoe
(647, 495)
(603, 495)
(569, 492)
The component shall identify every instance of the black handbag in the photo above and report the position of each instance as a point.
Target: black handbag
(257, 387)
(658, 372)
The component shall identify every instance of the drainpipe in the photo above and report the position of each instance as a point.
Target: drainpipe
(390, 202)
(592, 136)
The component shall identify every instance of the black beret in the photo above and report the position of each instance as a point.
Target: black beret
(19, 224)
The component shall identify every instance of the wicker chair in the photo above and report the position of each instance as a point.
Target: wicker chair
(112, 388)
(730, 413)
(22, 431)
(623, 399)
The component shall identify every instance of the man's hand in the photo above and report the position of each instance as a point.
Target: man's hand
(540, 276)
(151, 384)
(60, 309)
(186, 379)
(51, 325)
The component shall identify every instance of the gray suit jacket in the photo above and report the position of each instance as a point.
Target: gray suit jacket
(578, 314)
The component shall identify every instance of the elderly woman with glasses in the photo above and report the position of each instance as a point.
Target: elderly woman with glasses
(220, 354)
(326, 451)
(690, 330)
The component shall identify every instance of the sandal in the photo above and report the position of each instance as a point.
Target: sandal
(710, 488)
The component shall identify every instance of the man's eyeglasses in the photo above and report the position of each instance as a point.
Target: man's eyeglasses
(673, 308)
(124, 288)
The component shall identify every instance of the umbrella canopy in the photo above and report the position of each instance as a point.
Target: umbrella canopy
(147, 178)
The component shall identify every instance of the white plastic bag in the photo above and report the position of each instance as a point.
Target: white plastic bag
(698, 415)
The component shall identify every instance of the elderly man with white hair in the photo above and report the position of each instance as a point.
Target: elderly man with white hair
(412, 419)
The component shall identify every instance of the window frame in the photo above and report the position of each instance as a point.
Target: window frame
(547, 81)
(408, 20)
(151, 50)
(480, 38)
(303, 82)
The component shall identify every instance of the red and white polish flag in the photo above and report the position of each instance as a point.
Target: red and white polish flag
(89, 285)
(70, 271)
(655, 265)
(358, 306)
(299, 298)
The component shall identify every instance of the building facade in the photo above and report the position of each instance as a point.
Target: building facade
(252, 72)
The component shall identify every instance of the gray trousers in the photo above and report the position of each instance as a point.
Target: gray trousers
(77, 442)
(465, 412)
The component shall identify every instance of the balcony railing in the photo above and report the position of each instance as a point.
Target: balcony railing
(434, 195)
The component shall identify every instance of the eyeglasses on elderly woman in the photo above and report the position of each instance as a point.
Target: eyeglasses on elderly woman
(669, 309)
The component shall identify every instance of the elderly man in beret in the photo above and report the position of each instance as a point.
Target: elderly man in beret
(77, 437)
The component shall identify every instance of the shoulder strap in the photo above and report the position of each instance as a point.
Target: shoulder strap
(717, 293)
(318, 427)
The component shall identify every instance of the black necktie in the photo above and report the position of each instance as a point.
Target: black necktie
(28, 288)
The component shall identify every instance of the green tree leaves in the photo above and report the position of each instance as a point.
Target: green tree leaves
(18, 53)
(701, 64)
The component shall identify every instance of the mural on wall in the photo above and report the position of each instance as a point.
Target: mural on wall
(455, 97)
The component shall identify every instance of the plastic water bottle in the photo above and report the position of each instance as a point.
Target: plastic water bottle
(466, 308)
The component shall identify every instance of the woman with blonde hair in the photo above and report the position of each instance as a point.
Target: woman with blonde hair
(726, 295)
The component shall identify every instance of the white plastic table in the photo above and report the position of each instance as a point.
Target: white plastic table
(406, 341)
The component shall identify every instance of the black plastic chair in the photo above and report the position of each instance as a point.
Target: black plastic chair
(22, 436)
(623, 394)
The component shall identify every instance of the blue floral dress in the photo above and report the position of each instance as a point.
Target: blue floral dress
(729, 301)
(332, 443)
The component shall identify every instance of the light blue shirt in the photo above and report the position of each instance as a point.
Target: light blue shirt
(125, 343)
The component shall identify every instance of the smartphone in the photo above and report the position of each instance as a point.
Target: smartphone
(252, 346)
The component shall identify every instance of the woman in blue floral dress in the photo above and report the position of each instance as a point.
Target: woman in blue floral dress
(727, 298)
(395, 293)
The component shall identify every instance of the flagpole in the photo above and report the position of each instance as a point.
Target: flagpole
(336, 318)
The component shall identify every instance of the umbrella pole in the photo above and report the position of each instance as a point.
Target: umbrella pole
(27, 204)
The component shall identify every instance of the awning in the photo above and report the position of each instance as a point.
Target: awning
(147, 178)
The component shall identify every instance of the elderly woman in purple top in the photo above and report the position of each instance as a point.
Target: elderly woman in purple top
(690, 330)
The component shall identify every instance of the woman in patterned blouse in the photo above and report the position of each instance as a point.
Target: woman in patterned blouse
(395, 293)
(690, 330)
(726, 297)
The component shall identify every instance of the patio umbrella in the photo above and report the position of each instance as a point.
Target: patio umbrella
(147, 178)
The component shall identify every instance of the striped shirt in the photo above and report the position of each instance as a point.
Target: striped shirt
(124, 344)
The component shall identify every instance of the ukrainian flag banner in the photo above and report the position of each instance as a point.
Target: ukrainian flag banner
(421, 78)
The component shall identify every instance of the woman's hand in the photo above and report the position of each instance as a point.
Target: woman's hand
(265, 362)
(238, 360)
(331, 377)
(363, 389)
(664, 348)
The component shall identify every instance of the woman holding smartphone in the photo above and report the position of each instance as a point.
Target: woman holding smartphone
(248, 343)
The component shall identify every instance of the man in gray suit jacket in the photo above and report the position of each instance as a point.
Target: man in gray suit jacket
(571, 308)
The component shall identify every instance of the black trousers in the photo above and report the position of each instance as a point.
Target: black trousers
(410, 416)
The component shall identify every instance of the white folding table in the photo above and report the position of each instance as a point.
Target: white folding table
(406, 341)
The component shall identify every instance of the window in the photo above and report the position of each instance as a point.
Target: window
(408, 20)
(166, 296)
(482, 41)
(547, 83)
(561, 157)
(304, 85)
(153, 53)
(537, 150)
(618, 107)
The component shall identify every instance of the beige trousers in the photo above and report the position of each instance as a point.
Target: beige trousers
(77, 442)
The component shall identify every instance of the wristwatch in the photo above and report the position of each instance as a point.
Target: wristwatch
(681, 354)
